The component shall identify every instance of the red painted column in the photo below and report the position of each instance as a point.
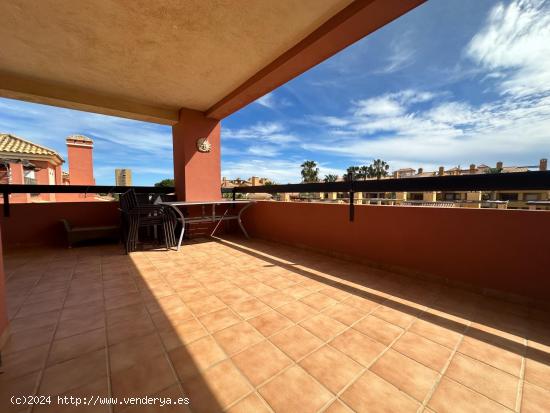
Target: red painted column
(197, 174)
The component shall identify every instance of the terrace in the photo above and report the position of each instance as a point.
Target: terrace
(328, 307)
(256, 326)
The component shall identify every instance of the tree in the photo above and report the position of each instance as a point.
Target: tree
(355, 172)
(330, 178)
(310, 172)
(377, 169)
(166, 183)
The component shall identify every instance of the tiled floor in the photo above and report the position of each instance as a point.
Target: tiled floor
(253, 326)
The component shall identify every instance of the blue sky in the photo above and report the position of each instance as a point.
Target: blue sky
(450, 83)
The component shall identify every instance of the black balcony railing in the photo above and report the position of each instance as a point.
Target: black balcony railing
(75, 189)
(519, 181)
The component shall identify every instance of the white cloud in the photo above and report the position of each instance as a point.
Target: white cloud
(514, 46)
(402, 54)
(273, 133)
(279, 171)
(272, 102)
(449, 132)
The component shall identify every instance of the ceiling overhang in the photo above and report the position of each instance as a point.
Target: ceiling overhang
(148, 60)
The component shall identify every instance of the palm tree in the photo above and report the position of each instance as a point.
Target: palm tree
(354, 171)
(330, 178)
(378, 169)
(310, 172)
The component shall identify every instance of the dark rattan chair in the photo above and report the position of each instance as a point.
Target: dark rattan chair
(137, 215)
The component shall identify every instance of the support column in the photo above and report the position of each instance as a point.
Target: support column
(197, 174)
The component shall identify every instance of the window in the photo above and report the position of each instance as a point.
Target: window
(416, 196)
(508, 196)
(451, 196)
(531, 197)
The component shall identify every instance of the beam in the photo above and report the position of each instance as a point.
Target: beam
(36, 91)
(356, 21)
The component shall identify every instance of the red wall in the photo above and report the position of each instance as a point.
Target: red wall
(498, 249)
(38, 223)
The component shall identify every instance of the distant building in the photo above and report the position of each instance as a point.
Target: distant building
(252, 181)
(25, 162)
(123, 177)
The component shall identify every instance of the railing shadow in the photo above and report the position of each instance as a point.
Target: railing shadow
(389, 289)
(135, 309)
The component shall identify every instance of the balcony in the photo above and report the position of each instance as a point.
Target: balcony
(257, 325)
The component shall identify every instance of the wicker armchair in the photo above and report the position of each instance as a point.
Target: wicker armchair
(137, 215)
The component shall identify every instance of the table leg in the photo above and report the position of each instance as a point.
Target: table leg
(241, 222)
(182, 217)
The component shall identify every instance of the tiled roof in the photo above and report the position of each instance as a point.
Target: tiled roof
(13, 144)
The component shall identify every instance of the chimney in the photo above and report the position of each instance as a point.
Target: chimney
(543, 165)
(473, 168)
(441, 171)
(499, 165)
(81, 163)
(420, 170)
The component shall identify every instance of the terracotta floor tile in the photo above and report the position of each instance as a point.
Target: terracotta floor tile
(128, 329)
(406, 374)
(183, 332)
(206, 305)
(372, 393)
(323, 326)
(219, 319)
(189, 360)
(137, 381)
(380, 330)
(23, 362)
(295, 391)
(216, 388)
(338, 407)
(491, 353)
(296, 311)
(258, 289)
(424, 351)
(26, 339)
(391, 315)
(83, 310)
(297, 291)
(98, 387)
(33, 321)
(444, 336)
(62, 377)
(331, 368)
(122, 300)
(452, 397)
(73, 346)
(233, 296)
(537, 369)
(129, 352)
(358, 346)
(261, 361)
(73, 326)
(344, 313)
(535, 399)
(296, 342)
(336, 293)
(276, 299)
(41, 307)
(487, 380)
(237, 337)
(318, 301)
(250, 308)
(193, 294)
(269, 323)
(362, 303)
(20, 386)
(126, 313)
(250, 404)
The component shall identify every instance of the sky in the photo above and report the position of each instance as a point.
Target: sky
(451, 83)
